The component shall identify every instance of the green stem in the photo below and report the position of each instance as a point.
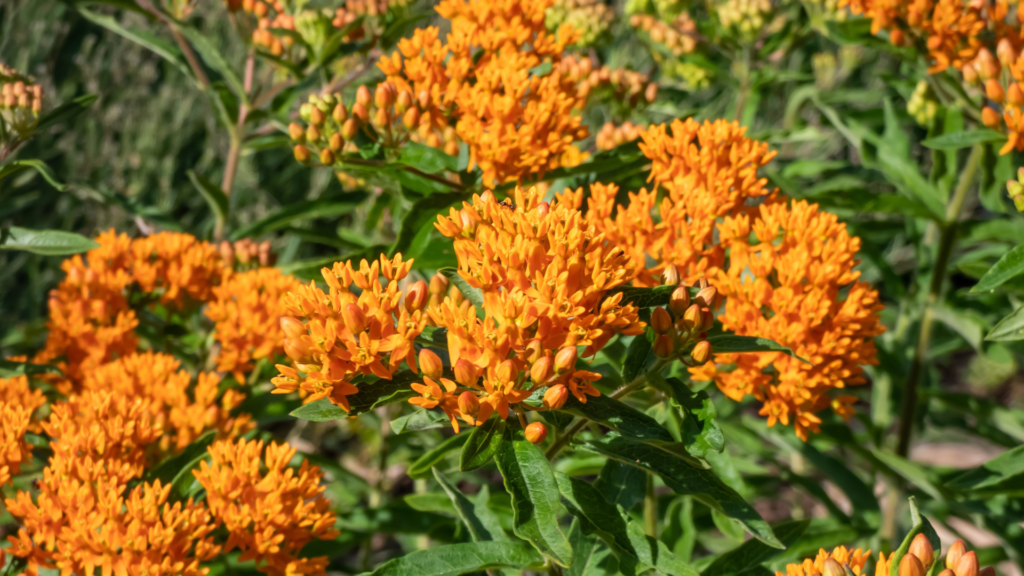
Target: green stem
(650, 508)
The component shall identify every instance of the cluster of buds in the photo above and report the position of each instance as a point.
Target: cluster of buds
(386, 117)
(923, 104)
(246, 253)
(447, 139)
(314, 26)
(679, 37)
(693, 76)
(1016, 190)
(999, 77)
(681, 329)
(626, 85)
(373, 7)
(919, 559)
(611, 135)
(745, 18)
(342, 18)
(591, 18)
(22, 100)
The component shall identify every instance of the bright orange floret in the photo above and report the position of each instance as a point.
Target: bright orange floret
(348, 333)
(177, 266)
(247, 308)
(270, 516)
(14, 450)
(707, 170)
(856, 559)
(544, 274)
(797, 286)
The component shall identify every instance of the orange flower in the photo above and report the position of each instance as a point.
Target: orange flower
(14, 450)
(347, 335)
(270, 516)
(544, 274)
(855, 559)
(247, 308)
(787, 288)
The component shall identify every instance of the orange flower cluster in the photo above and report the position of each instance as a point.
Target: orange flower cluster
(272, 515)
(247, 309)
(349, 333)
(515, 116)
(14, 450)
(826, 564)
(708, 170)
(787, 288)
(544, 273)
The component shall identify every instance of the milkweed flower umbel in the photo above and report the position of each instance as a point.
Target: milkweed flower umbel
(348, 334)
(826, 564)
(786, 287)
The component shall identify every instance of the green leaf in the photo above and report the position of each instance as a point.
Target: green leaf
(421, 467)
(621, 485)
(483, 442)
(590, 557)
(421, 214)
(637, 552)
(752, 553)
(647, 297)
(636, 357)
(45, 242)
(535, 500)
(65, 111)
(963, 139)
(991, 475)
(371, 395)
(475, 297)
(1010, 328)
(731, 343)
(168, 470)
(427, 158)
(627, 420)
(920, 526)
(215, 60)
(418, 420)
(456, 559)
(680, 474)
(301, 211)
(12, 369)
(482, 522)
(701, 432)
(214, 196)
(15, 166)
(166, 50)
(1009, 266)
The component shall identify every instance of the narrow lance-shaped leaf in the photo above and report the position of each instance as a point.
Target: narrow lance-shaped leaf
(988, 477)
(482, 444)
(371, 395)
(301, 211)
(920, 526)
(684, 477)
(752, 553)
(1009, 266)
(647, 297)
(11, 369)
(15, 166)
(456, 559)
(637, 552)
(731, 343)
(421, 467)
(471, 293)
(45, 242)
(419, 420)
(482, 523)
(215, 197)
(627, 420)
(964, 139)
(1009, 329)
(535, 500)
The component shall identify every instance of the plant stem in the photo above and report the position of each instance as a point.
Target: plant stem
(235, 150)
(626, 390)
(650, 508)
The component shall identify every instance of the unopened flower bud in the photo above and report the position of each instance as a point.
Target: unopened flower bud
(506, 371)
(336, 142)
(832, 567)
(911, 566)
(439, 284)
(381, 117)
(706, 297)
(316, 116)
(1005, 52)
(670, 276)
(227, 254)
(994, 90)
(340, 113)
(955, 552)
(990, 117)
(469, 405)
(543, 209)
(301, 153)
(296, 132)
(404, 101)
(701, 352)
(312, 133)
(652, 92)
(565, 360)
(921, 547)
(360, 111)
(663, 346)
(327, 157)
(988, 67)
(542, 370)
(466, 373)
(292, 327)
(692, 317)
(298, 350)
(1014, 95)
(661, 321)
(423, 99)
(363, 96)
(555, 397)
(679, 301)
(947, 572)
(536, 433)
(430, 364)
(897, 38)
(416, 296)
(533, 351)
(349, 129)
(703, 283)
(971, 75)
(707, 319)
(411, 119)
(354, 318)
(967, 565)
